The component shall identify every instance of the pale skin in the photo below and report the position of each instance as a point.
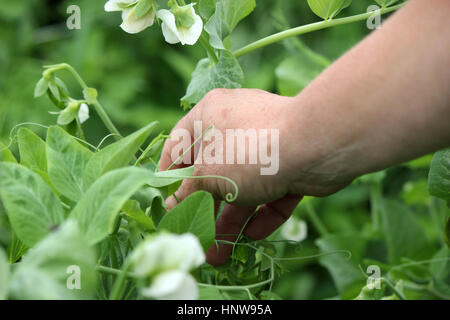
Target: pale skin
(384, 102)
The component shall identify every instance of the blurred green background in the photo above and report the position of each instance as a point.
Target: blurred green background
(140, 78)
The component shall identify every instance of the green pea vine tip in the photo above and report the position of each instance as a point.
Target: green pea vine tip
(229, 197)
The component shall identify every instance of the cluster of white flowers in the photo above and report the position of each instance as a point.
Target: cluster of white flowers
(166, 261)
(178, 24)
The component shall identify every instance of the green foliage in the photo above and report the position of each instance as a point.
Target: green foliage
(32, 151)
(195, 215)
(33, 208)
(439, 176)
(344, 271)
(4, 275)
(43, 273)
(116, 155)
(67, 160)
(98, 207)
(404, 236)
(226, 16)
(328, 9)
(227, 73)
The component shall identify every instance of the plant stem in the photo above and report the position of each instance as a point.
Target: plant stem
(112, 271)
(375, 195)
(320, 227)
(117, 290)
(309, 28)
(209, 50)
(106, 120)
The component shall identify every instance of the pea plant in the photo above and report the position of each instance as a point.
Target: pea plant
(90, 221)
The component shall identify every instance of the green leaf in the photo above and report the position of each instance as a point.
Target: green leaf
(439, 176)
(195, 214)
(206, 8)
(6, 154)
(67, 160)
(227, 15)
(386, 3)
(98, 207)
(32, 207)
(327, 9)
(404, 237)
(116, 155)
(345, 273)
(169, 177)
(41, 88)
(209, 293)
(447, 232)
(133, 210)
(227, 73)
(16, 248)
(4, 275)
(44, 272)
(32, 150)
(153, 200)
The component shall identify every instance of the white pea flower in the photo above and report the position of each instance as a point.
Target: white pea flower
(83, 112)
(166, 260)
(294, 229)
(168, 252)
(132, 23)
(181, 24)
(172, 285)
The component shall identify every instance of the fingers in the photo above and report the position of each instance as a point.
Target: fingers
(173, 148)
(233, 218)
(270, 216)
(187, 187)
(228, 227)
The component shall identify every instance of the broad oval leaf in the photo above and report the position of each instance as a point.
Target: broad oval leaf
(98, 207)
(67, 160)
(227, 73)
(404, 236)
(32, 207)
(439, 176)
(195, 214)
(327, 9)
(116, 155)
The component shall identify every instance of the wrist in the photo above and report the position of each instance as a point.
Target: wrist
(317, 149)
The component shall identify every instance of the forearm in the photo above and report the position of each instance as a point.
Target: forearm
(384, 102)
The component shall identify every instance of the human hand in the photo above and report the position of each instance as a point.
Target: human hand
(277, 189)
